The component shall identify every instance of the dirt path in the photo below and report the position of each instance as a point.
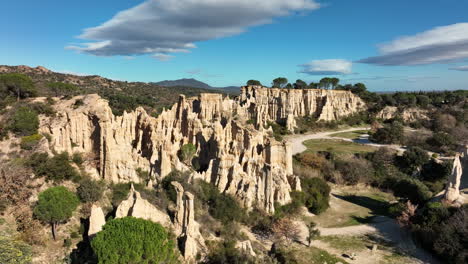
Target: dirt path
(384, 228)
(298, 140)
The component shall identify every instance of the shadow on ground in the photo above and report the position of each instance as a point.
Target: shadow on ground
(377, 207)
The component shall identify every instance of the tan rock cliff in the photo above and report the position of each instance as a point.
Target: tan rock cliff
(238, 159)
(282, 105)
(452, 191)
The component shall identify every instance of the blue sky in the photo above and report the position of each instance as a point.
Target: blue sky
(389, 45)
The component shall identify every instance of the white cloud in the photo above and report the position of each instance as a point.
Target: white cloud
(438, 45)
(162, 56)
(73, 73)
(460, 68)
(173, 26)
(327, 67)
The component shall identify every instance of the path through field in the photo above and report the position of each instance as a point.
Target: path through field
(298, 139)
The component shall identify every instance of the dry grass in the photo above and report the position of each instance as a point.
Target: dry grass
(337, 146)
(351, 135)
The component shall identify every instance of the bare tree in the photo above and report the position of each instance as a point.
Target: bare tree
(405, 218)
(286, 229)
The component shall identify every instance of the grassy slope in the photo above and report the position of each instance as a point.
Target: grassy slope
(337, 146)
(350, 135)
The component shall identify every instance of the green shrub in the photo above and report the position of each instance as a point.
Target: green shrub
(67, 243)
(412, 189)
(221, 206)
(42, 109)
(226, 252)
(389, 134)
(316, 195)
(134, 240)
(355, 170)
(412, 160)
(14, 251)
(24, 122)
(29, 142)
(18, 84)
(57, 168)
(90, 190)
(77, 158)
(187, 152)
(119, 193)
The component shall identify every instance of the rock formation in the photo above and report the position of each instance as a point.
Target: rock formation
(96, 220)
(188, 230)
(138, 207)
(246, 246)
(183, 223)
(452, 191)
(408, 114)
(283, 105)
(239, 159)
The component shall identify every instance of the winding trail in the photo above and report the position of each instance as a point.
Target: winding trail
(385, 227)
(297, 141)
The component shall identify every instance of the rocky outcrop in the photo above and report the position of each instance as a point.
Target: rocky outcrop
(283, 105)
(408, 115)
(237, 158)
(96, 221)
(240, 160)
(138, 207)
(246, 246)
(452, 191)
(188, 230)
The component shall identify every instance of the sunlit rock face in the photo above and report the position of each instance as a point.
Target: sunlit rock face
(240, 159)
(237, 158)
(408, 114)
(452, 190)
(283, 105)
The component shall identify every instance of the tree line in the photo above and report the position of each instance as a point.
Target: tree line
(325, 83)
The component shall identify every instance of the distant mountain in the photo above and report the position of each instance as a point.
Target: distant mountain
(197, 84)
(185, 82)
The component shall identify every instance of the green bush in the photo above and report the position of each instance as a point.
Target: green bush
(29, 142)
(412, 160)
(42, 109)
(226, 252)
(119, 193)
(55, 205)
(14, 251)
(412, 189)
(57, 168)
(24, 122)
(17, 84)
(389, 134)
(316, 195)
(187, 152)
(222, 206)
(77, 158)
(134, 240)
(90, 190)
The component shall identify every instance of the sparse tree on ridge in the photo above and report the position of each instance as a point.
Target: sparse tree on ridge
(279, 82)
(334, 82)
(19, 84)
(62, 89)
(55, 205)
(300, 84)
(313, 85)
(324, 83)
(289, 86)
(253, 82)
